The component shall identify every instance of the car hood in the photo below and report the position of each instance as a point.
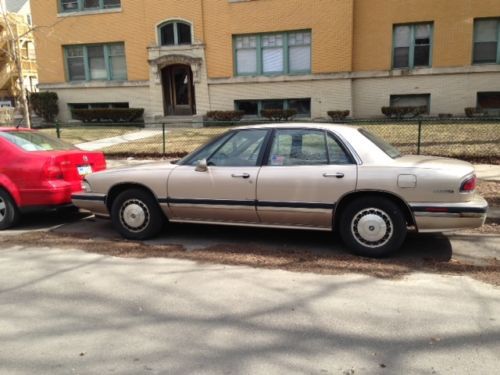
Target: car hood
(454, 166)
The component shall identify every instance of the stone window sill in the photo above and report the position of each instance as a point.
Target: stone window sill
(89, 12)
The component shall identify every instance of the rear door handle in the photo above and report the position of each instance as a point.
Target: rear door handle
(241, 175)
(337, 175)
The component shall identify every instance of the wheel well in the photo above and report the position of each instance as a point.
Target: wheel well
(6, 191)
(118, 189)
(346, 200)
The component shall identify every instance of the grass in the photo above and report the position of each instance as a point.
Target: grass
(77, 134)
(446, 139)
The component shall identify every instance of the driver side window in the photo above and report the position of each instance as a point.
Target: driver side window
(242, 149)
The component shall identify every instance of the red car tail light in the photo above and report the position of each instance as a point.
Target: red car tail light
(469, 185)
(53, 171)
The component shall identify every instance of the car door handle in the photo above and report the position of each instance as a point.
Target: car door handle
(241, 175)
(338, 175)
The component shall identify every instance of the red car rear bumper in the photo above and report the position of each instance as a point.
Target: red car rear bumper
(53, 193)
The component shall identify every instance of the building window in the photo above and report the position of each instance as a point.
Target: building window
(412, 100)
(82, 5)
(270, 54)
(253, 107)
(487, 41)
(412, 45)
(489, 102)
(96, 62)
(174, 33)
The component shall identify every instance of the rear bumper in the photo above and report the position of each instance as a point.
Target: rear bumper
(443, 217)
(93, 202)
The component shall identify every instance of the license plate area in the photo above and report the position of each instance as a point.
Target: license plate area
(84, 170)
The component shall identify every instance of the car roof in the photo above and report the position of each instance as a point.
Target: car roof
(12, 128)
(300, 125)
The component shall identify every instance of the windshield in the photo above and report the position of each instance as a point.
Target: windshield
(35, 141)
(389, 149)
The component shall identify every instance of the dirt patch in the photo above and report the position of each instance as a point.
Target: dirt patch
(490, 190)
(255, 256)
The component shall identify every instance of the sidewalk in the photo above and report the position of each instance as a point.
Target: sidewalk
(488, 172)
(113, 141)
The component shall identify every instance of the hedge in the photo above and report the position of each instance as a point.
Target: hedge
(225, 115)
(400, 112)
(44, 104)
(338, 115)
(108, 114)
(278, 114)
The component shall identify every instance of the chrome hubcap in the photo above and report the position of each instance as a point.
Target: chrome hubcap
(134, 215)
(3, 209)
(372, 227)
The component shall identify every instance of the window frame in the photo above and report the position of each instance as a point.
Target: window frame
(80, 7)
(286, 105)
(411, 52)
(86, 62)
(497, 19)
(174, 23)
(259, 54)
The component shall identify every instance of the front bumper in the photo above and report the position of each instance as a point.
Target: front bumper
(93, 202)
(443, 217)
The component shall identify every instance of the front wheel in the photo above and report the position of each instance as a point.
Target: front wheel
(136, 215)
(373, 226)
(9, 213)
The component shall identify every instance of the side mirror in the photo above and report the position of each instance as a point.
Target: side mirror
(201, 165)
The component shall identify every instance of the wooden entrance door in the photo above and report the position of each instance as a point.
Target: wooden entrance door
(178, 90)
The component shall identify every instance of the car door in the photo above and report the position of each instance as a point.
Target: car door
(303, 176)
(224, 188)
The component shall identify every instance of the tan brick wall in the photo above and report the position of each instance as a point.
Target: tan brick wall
(450, 93)
(453, 29)
(325, 94)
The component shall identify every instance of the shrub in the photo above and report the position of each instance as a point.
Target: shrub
(44, 104)
(445, 115)
(400, 112)
(473, 111)
(108, 114)
(225, 115)
(338, 115)
(278, 114)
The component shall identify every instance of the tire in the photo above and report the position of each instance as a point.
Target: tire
(9, 213)
(136, 215)
(373, 226)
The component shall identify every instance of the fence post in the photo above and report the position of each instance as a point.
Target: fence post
(419, 142)
(164, 138)
(58, 130)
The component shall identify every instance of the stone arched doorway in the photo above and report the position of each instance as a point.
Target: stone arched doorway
(178, 90)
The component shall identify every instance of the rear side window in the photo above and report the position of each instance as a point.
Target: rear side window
(35, 141)
(389, 149)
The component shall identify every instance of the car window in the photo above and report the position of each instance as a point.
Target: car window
(206, 150)
(336, 154)
(389, 149)
(240, 150)
(35, 141)
(298, 147)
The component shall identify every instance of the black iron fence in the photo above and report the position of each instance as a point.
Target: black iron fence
(476, 139)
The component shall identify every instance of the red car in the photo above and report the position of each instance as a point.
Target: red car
(38, 172)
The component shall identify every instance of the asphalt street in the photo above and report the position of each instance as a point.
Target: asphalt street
(71, 312)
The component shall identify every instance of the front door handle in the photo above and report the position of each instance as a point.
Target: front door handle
(337, 175)
(241, 175)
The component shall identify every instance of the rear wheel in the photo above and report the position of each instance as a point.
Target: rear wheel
(373, 226)
(9, 213)
(136, 215)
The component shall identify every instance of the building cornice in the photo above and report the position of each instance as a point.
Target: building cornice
(91, 84)
(470, 69)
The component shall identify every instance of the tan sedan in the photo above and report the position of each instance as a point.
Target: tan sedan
(304, 176)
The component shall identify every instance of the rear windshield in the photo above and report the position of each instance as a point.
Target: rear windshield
(389, 149)
(35, 141)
